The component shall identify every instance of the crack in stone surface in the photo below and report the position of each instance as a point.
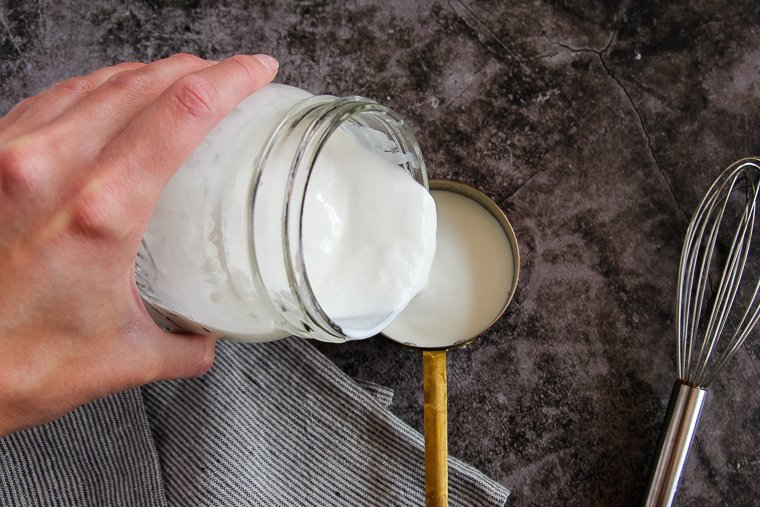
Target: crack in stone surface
(527, 180)
(704, 462)
(642, 124)
(8, 31)
(580, 50)
(480, 22)
(646, 134)
(752, 362)
(513, 55)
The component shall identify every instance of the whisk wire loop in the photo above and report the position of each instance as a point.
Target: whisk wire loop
(698, 360)
(729, 286)
(745, 326)
(692, 257)
(689, 309)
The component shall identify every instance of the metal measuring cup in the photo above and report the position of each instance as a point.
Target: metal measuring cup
(434, 359)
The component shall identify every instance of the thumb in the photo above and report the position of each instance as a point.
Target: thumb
(152, 354)
(173, 355)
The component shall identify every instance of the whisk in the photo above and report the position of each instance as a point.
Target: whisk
(708, 334)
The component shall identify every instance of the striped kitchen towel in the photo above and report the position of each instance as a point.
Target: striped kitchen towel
(271, 424)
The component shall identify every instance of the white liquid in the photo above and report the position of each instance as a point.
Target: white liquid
(470, 280)
(368, 238)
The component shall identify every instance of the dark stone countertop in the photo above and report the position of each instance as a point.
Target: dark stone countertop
(596, 126)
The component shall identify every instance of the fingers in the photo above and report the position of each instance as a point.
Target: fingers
(161, 138)
(38, 111)
(78, 135)
(114, 104)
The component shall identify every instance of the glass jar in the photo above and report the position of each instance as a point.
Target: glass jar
(223, 252)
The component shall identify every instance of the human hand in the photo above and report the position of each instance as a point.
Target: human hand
(81, 167)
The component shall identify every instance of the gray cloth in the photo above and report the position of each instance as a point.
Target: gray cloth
(100, 454)
(270, 424)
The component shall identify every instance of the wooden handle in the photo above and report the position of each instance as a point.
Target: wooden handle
(436, 429)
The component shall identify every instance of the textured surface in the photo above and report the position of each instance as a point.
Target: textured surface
(61, 464)
(280, 425)
(596, 127)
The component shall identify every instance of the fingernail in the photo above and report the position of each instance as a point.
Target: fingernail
(208, 356)
(267, 61)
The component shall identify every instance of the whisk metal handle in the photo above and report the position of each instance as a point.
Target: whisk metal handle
(675, 440)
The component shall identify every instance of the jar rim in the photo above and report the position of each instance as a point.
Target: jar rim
(325, 114)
